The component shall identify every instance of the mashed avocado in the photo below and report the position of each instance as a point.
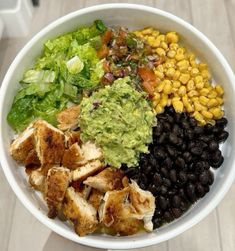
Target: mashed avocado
(119, 119)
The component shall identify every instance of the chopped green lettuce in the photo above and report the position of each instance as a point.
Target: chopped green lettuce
(68, 65)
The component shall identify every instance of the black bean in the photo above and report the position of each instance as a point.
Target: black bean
(143, 178)
(172, 175)
(130, 172)
(180, 162)
(142, 185)
(162, 138)
(209, 128)
(205, 155)
(171, 150)
(157, 179)
(198, 130)
(170, 110)
(192, 122)
(168, 163)
(168, 217)
(192, 177)
(164, 171)
(200, 190)
(222, 122)
(147, 169)
(177, 117)
(187, 156)
(163, 202)
(167, 126)
(176, 129)
(172, 192)
(217, 129)
(182, 193)
(157, 222)
(157, 130)
(157, 213)
(163, 190)
(153, 189)
(205, 138)
(176, 201)
(223, 136)
(166, 182)
(191, 144)
(218, 163)
(183, 177)
(196, 150)
(204, 177)
(213, 145)
(176, 212)
(190, 190)
(159, 153)
(211, 178)
(173, 138)
(207, 189)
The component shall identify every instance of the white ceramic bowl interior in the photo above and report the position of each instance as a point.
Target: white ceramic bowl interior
(134, 17)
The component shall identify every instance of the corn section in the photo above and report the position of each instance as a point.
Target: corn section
(184, 82)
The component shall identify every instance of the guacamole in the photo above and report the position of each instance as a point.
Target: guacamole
(119, 119)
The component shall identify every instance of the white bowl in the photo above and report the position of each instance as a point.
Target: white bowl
(132, 16)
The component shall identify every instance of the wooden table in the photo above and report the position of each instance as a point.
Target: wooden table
(20, 231)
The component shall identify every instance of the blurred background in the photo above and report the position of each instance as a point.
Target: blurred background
(22, 19)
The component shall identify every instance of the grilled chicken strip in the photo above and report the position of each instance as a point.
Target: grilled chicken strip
(37, 180)
(72, 137)
(68, 118)
(91, 151)
(87, 170)
(57, 182)
(130, 206)
(73, 157)
(23, 144)
(116, 213)
(107, 180)
(50, 143)
(80, 212)
(95, 198)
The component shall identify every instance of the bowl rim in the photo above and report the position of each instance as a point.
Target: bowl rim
(88, 240)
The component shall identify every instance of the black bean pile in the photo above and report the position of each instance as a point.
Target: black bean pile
(177, 169)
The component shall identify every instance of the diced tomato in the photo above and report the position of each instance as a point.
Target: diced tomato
(148, 87)
(107, 36)
(103, 51)
(146, 74)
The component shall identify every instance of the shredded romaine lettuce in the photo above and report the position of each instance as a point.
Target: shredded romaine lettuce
(68, 64)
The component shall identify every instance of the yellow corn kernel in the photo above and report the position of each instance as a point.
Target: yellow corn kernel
(202, 66)
(199, 85)
(169, 64)
(160, 87)
(155, 33)
(175, 99)
(207, 114)
(198, 79)
(160, 52)
(163, 102)
(156, 96)
(182, 90)
(181, 50)
(169, 102)
(178, 105)
(198, 107)
(195, 98)
(194, 72)
(204, 91)
(219, 89)
(202, 123)
(184, 78)
(159, 109)
(176, 75)
(192, 93)
(164, 45)
(159, 74)
(160, 68)
(179, 56)
(203, 100)
(162, 38)
(176, 84)
(212, 103)
(207, 84)
(197, 115)
(156, 102)
(220, 101)
(206, 74)
(175, 90)
(212, 94)
(170, 72)
(185, 100)
(171, 54)
(147, 31)
(190, 85)
(189, 108)
(174, 46)
(183, 65)
(172, 37)
(211, 121)
(167, 88)
(156, 43)
(217, 112)
(191, 56)
(150, 40)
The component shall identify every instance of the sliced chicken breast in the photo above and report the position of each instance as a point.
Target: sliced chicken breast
(80, 212)
(91, 151)
(95, 198)
(23, 144)
(107, 180)
(72, 137)
(57, 182)
(32, 159)
(68, 118)
(50, 143)
(87, 170)
(37, 180)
